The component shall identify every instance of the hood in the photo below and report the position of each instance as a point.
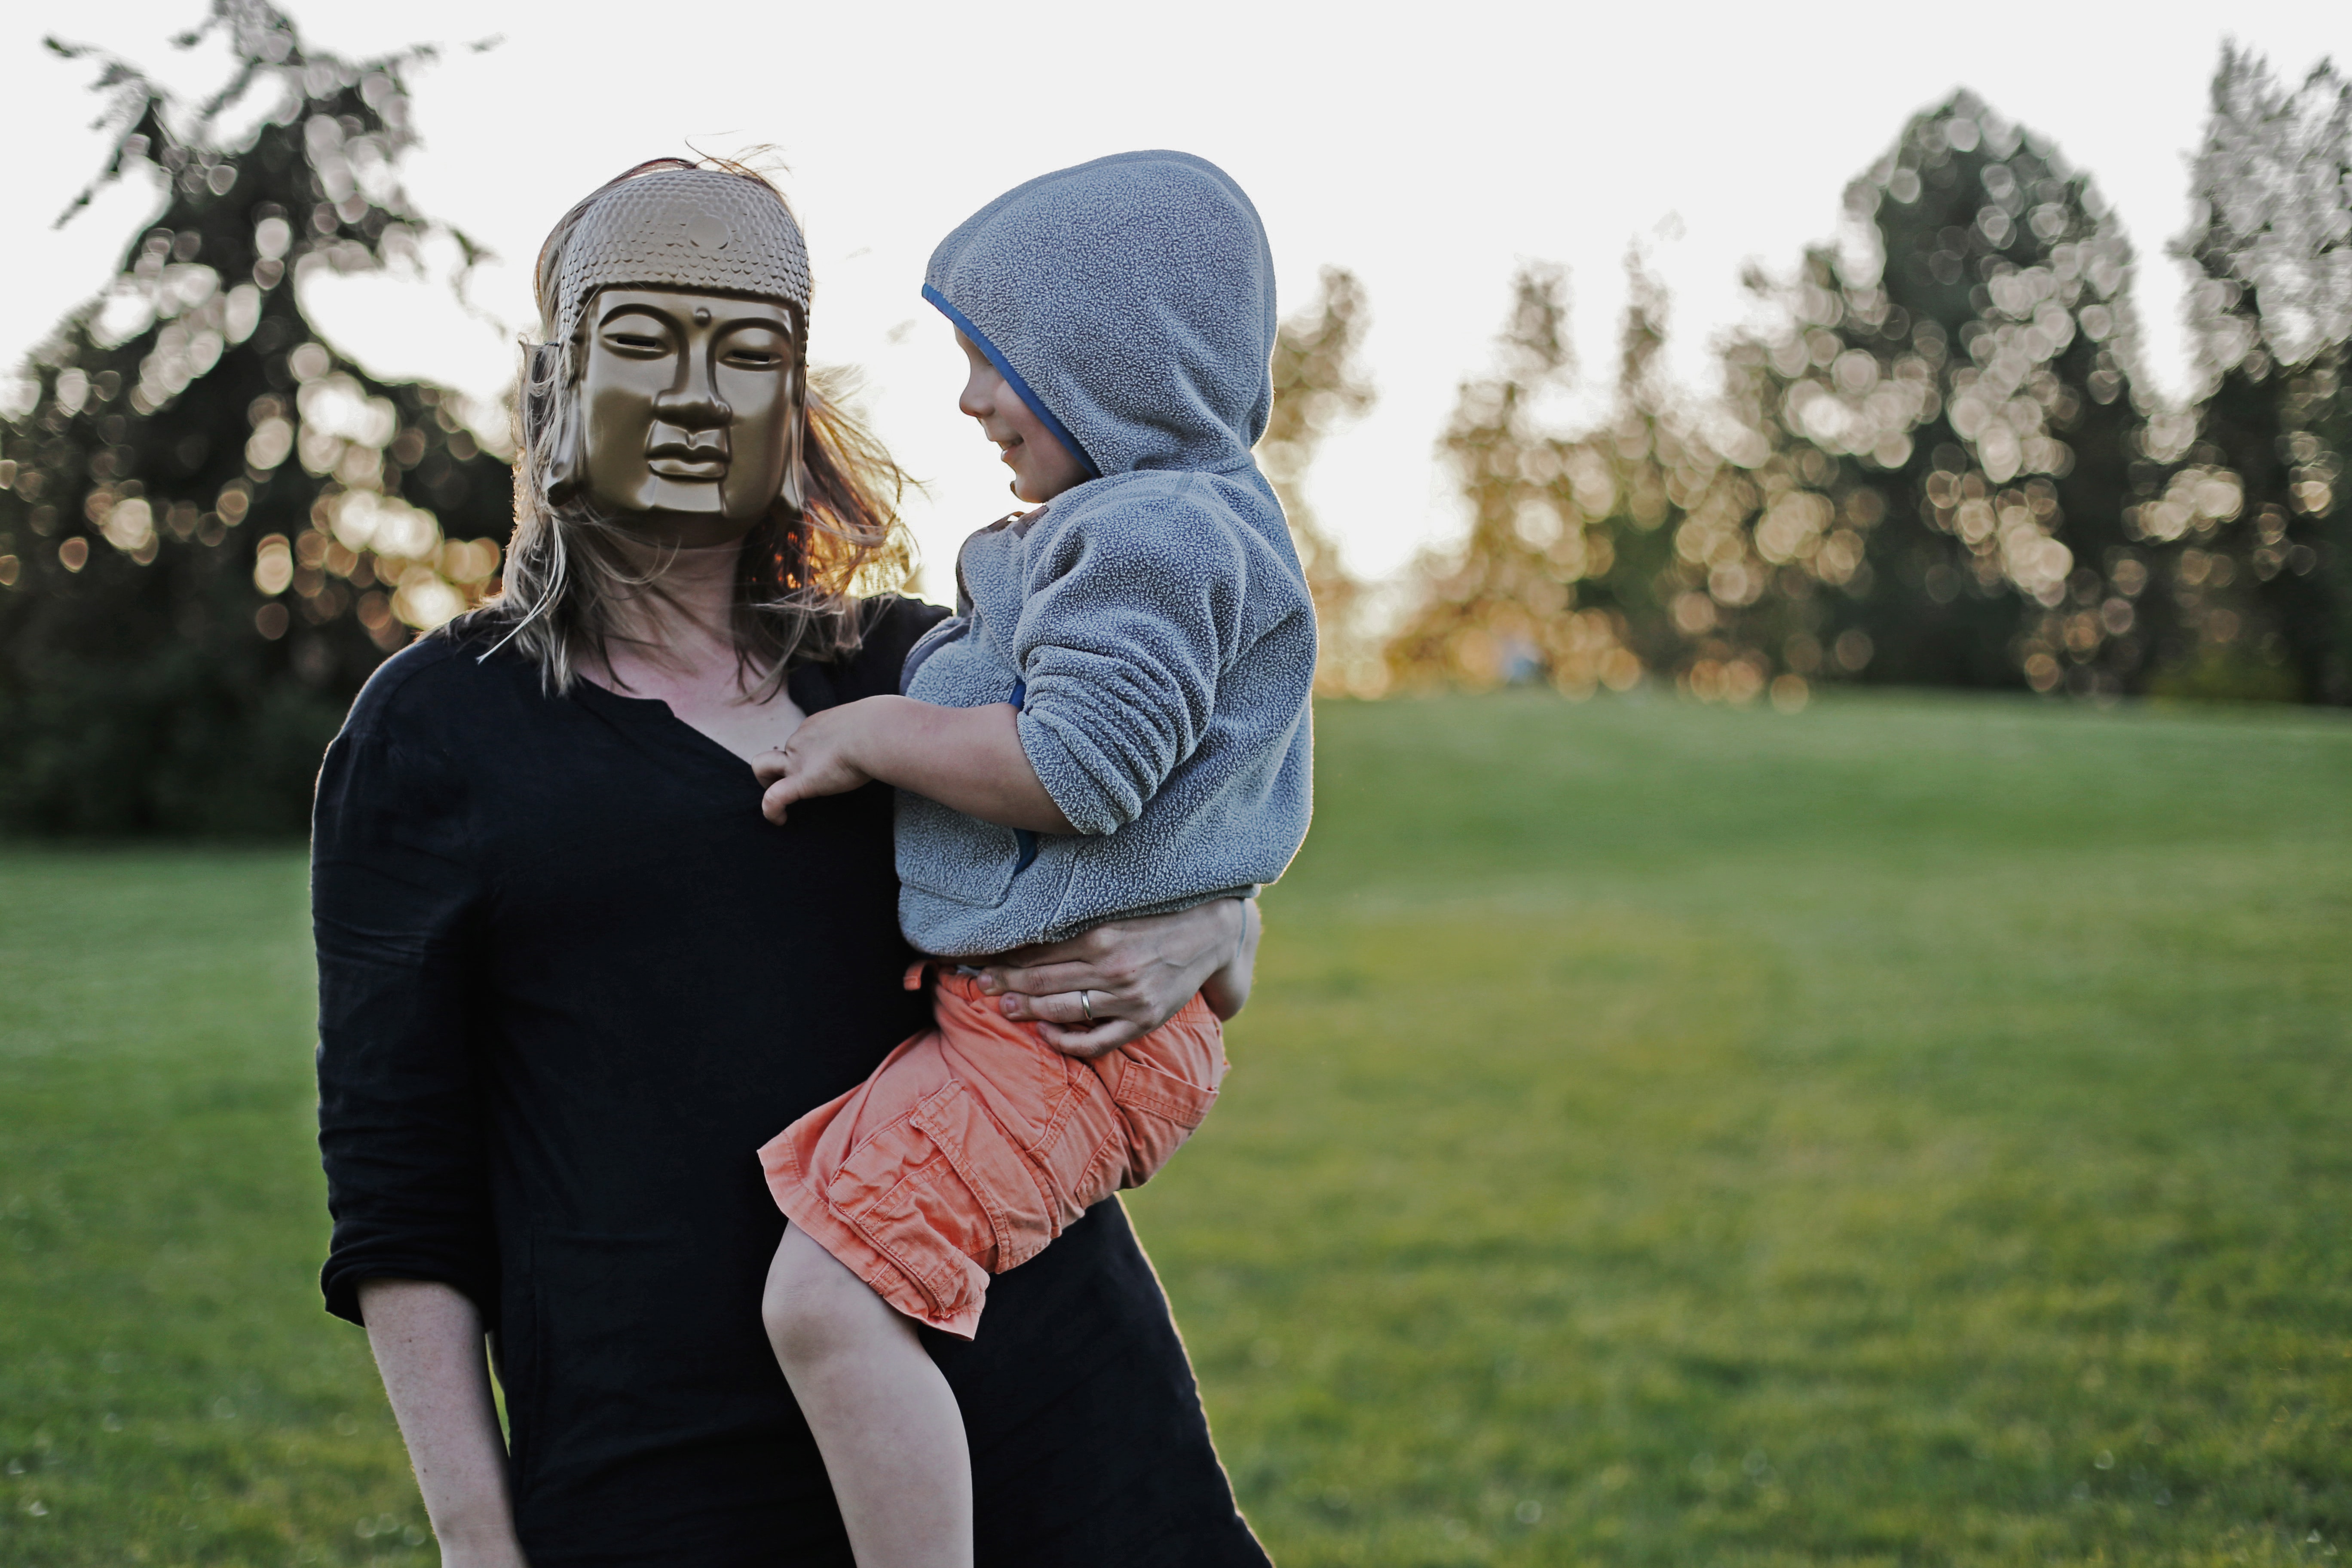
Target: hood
(1129, 301)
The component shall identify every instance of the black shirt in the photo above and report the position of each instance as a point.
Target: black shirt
(570, 979)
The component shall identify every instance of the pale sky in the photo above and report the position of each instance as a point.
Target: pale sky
(1429, 150)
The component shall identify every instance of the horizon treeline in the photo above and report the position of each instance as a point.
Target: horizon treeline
(1932, 462)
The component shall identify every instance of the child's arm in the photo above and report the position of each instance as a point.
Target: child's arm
(966, 759)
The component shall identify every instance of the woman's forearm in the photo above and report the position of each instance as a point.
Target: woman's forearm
(427, 1339)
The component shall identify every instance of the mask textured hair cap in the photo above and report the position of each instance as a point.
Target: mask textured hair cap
(684, 228)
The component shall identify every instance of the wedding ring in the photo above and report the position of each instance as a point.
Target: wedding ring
(1087, 1005)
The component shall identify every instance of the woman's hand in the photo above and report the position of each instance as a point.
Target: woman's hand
(1120, 980)
(1227, 991)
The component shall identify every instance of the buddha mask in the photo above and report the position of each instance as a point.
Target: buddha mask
(672, 389)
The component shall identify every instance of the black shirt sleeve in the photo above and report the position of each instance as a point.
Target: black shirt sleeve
(893, 624)
(396, 886)
(899, 624)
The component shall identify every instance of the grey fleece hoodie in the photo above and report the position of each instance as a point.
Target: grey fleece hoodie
(1153, 624)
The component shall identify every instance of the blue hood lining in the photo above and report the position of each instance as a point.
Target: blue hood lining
(1012, 379)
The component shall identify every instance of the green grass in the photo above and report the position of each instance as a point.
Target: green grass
(1913, 1132)
(169, 1390)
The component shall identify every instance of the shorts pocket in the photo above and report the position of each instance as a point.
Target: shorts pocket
(1160, 1110)
(1003, 1182)
(1142, 1086)
(927, 1226)
(898, 1189)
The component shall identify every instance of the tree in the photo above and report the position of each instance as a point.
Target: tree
(2267, 583)
(1318, 382)
(1675, 502)
(1590, 558)
(1956, 394)
(1928, 466)
(1504, 607)
(212, 525)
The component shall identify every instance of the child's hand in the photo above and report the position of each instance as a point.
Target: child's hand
(818, 760)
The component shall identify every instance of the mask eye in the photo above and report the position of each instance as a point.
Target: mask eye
(755, 349)
(637, 337)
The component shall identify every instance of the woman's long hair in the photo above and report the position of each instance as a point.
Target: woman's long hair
(570, 565)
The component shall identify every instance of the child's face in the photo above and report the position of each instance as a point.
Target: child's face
(1042, 467)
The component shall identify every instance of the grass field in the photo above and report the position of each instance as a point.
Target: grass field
(1912, 1131)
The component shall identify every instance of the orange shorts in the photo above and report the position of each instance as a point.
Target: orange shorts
(975, 1142)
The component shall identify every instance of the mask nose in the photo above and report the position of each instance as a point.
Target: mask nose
(697, 404)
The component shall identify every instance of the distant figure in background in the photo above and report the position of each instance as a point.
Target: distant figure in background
(570, 978)
(1114, 725)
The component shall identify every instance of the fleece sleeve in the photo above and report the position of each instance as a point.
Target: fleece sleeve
(1132, 614)
(395, 890)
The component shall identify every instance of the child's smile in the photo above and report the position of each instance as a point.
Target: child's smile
(1042, 467)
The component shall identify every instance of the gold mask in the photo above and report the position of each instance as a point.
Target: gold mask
(681, 303)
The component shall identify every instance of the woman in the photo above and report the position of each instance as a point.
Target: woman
(570, 979)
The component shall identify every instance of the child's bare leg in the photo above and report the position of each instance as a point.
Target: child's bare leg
(885, 1420)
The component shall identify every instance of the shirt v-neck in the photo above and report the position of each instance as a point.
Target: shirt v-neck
(806, 686)
(653, 716)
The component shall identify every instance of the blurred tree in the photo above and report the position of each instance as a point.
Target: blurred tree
(2267, 581)
(1671, 501)
(1319, 383)
(1588, 556)
(1503, 606)
(1928, 468)
(1969, 474)
(1930, 465)
(212, 525)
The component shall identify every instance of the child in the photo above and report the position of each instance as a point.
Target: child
(1115, 723)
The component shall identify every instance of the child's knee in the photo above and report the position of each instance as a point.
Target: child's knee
(812, 1306)
(790, 1308)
